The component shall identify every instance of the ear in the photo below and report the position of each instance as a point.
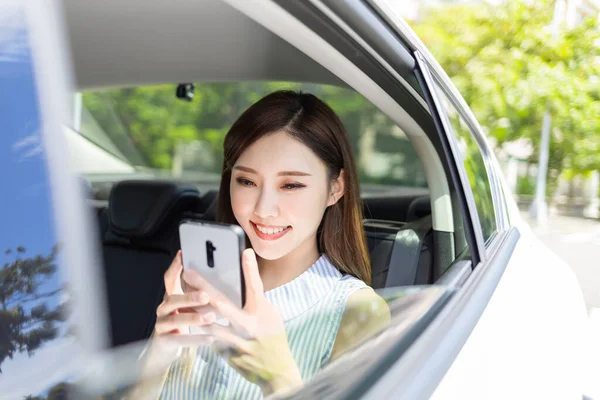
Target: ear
(337, 189)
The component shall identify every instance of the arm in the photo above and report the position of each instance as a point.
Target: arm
(155, 364)
(366, 314)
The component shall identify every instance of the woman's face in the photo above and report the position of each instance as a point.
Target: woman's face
(279, 192)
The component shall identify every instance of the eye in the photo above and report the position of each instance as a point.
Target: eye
(292, 186)
(245, 182)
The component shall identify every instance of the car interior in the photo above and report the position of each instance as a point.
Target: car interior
(139, 236)
(410, 233)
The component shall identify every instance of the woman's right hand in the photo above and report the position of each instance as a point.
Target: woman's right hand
(180, 310)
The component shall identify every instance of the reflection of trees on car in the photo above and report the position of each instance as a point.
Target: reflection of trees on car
(157, 123)
(475, 169)
(60, 391)
(27, 319)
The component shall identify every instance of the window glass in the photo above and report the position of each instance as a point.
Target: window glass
(474, 166)
(35, 333)
(154, 131)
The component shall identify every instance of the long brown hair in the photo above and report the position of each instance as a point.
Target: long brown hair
(312, 122)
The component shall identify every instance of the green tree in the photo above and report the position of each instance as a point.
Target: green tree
(26, 321)
(505, 63)
(149, 122)
(152, 120)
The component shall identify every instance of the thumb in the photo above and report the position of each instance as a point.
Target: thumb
(172, 276)
(254, 285)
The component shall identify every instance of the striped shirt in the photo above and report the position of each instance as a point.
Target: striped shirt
(311, 307)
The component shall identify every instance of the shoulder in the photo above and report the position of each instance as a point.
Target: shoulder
(366, 305)
(365, 314)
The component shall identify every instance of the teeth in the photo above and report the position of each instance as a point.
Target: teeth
(270, 231)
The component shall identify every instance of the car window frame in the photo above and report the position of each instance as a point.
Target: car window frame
(441, 91)
(459, 104)
(406, 36)
(454, 159)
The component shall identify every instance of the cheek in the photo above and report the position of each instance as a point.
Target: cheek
(242, 202)
(303, 208)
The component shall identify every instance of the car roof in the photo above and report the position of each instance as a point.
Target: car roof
(138, 42)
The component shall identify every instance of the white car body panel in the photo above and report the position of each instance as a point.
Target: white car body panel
(529, 341)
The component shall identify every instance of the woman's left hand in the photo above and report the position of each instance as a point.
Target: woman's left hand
(257, 346)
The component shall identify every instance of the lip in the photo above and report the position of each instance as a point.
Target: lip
(268, 237)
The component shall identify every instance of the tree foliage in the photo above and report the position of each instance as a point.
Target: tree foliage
(26, 319)
(149, 122)
(510, 70)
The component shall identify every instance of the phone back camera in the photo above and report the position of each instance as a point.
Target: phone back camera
(210, 256)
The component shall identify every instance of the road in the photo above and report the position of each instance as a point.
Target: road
(577, 241)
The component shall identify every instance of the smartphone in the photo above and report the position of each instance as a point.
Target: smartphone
(215, 251)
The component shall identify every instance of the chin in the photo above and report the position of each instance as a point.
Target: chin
(267, 252)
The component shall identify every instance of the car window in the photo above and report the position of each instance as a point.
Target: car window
(156, 132)
(474, 164)
(36, 340)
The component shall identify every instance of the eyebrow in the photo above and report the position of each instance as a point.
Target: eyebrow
(281, 173)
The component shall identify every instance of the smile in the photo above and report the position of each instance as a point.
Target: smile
(269, 233)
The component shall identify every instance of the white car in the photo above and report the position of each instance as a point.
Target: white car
(480, 309)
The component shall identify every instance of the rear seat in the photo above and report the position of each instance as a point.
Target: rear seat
(400, 252)
(139, 242)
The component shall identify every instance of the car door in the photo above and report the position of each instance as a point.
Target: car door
(524, 342)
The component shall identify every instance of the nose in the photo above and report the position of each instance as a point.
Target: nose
(267, 205)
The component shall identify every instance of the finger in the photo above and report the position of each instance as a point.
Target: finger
(198, 310)
(172, 276)
(187, 340)
(238, 317)
(254, 285)
(193, 278)
(226, 337)
(182, 322)
(177, 301)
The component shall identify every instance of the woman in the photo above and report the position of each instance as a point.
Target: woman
(289, 180)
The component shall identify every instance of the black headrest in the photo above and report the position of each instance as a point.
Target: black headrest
(139, 209)
(418, 208)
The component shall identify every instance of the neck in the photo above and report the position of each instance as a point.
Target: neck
(274, 273)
